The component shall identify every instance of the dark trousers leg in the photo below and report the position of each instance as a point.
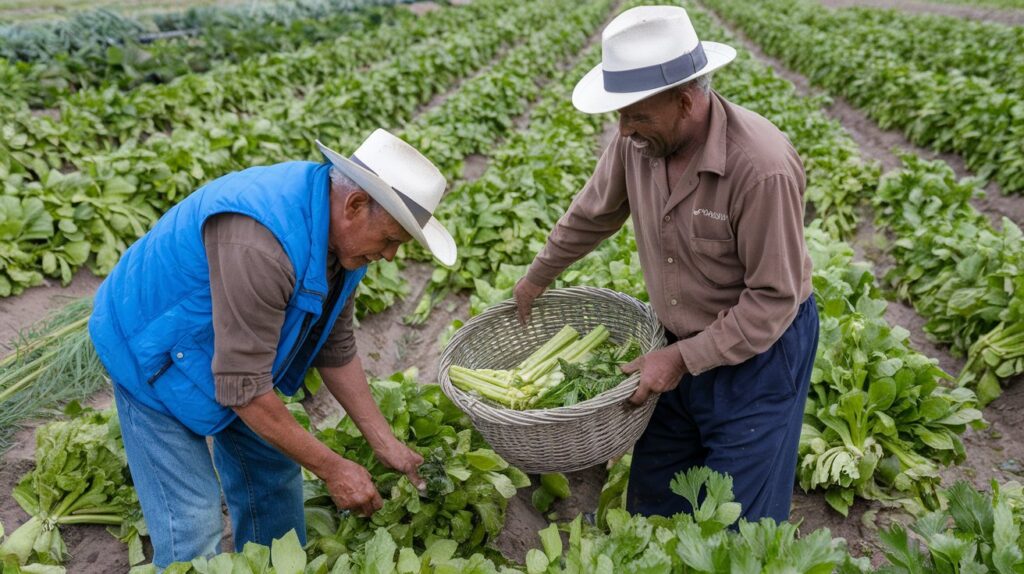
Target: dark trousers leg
(743, 420)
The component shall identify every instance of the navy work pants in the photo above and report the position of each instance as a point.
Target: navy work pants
(743, 420)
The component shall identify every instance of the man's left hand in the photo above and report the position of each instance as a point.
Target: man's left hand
(400, 457)
(660, 372)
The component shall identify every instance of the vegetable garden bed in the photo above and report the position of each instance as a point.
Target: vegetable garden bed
(883, 422)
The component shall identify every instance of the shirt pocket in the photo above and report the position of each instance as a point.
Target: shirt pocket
(717, 261)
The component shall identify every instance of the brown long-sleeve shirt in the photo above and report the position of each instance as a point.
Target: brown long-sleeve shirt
(722, 249)
(251, 282)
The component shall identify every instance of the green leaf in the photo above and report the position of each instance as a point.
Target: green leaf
(486, 460)
(556, 483)
(551, 541)
(380, 553)
(286, 554)
(536, 562)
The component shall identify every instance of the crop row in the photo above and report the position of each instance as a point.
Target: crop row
(97, 120)
(101, 48)
(931, 42)
(962, 274)
(510, 83)
(115, 197)
(948, 110)
(482, 112)
(445, 528)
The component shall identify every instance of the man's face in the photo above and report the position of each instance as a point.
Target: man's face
(654, 126)
(361, 234)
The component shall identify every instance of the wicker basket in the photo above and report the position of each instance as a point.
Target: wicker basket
(562, 439)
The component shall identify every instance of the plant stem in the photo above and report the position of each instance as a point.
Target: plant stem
(27, 379)
(43, 341)
(107, 519)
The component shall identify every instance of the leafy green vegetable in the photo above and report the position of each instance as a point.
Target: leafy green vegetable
(552, 487)
(701, 542)
(468, 485)
(587, 379)
(531, 383)
(960, 273)
(977, 532)
(681, 543)
(80, 477)
(878, 421)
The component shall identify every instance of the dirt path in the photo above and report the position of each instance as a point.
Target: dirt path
(1006, 16)
(994, 453)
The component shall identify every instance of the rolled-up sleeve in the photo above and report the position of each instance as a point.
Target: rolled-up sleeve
(769, 242)
(251, 282)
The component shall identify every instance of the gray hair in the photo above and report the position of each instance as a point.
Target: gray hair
(703, 83)
(344, 183)
(341, 180)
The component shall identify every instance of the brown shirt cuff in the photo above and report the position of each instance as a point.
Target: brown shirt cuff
(699, 353)
(239, 390)
(541, 274)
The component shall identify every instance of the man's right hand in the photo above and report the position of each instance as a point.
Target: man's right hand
(352, 488)
(525, 292)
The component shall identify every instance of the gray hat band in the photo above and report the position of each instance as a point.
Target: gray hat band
(658, 75)
(421, 215)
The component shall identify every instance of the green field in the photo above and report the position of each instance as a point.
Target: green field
(913, 435)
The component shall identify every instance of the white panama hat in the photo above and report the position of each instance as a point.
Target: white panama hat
(644, 51)
(404, 182)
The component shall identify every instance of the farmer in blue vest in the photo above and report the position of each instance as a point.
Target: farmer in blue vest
(238, 290)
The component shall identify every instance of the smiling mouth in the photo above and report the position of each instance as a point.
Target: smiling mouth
(638, 143)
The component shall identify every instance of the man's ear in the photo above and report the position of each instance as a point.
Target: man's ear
(356, 203)
(684, 99)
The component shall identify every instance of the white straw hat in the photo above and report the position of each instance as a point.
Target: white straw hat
(644, 51)
(404, 182)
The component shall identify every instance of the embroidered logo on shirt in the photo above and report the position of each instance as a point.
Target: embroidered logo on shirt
(712, 214)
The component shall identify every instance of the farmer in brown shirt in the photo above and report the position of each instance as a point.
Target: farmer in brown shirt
(715, 193)
(235, 292)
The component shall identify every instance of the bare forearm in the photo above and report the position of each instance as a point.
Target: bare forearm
(349, 386)
(267, 416)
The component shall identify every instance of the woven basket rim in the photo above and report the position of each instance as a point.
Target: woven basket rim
(478, 407)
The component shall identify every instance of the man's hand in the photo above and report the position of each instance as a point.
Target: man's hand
(525, 292)
(660, 372)
(351, 488)
(400, 457)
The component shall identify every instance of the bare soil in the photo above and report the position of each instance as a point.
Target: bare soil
(1006, 16)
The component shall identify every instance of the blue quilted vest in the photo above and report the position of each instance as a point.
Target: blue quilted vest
(152, 320)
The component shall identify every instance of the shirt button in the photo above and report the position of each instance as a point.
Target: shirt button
(673, 301)
(670, 260)
(668, 218)
(654, 163)
(182, 355)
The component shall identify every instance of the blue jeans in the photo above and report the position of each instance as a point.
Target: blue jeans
(176, 480)
(743, 420)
